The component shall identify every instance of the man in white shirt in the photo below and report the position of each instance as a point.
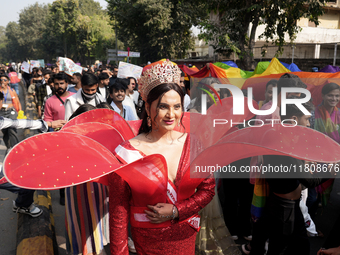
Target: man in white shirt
(117, 93)
(86, 95)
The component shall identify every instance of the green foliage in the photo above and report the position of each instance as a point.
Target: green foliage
(31, 23)
(156, 28)
(23, 38)
(13, 48)
(90, 8)
(234, 17)
(95, 35)
(3, 44)
(79, 29)
(62, 22)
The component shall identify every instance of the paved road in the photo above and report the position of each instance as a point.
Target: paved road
(8, 219)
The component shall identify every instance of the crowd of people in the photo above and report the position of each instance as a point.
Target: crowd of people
(230, 209)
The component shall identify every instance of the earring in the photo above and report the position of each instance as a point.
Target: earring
(148, 121)
(178, 124)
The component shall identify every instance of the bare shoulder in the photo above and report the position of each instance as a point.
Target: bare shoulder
(138, 140)
(180, 137)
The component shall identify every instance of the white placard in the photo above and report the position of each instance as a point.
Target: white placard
(68, 66)
(34, 63)
(25, 67)
(129, 70)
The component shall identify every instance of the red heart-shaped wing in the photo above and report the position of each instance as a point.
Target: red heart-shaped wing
(298, 142)
(102, 133)
(219, 119)
(56, 160)
(105, 116)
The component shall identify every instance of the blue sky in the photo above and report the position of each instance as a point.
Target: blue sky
(10, 10)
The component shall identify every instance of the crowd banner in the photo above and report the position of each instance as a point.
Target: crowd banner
(68, 66)
(129, 70)
(42, 63)
(313, 80)
(34, 63)
(25, 67)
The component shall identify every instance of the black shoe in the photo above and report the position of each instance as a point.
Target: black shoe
(32, 210)
(62, 200)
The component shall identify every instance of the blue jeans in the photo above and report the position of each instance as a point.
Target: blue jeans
(15, 86)
(312, 202)
(25, 196)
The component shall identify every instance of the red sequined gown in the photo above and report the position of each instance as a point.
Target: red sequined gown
(176, 238)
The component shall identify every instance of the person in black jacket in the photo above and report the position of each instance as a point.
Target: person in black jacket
(286, 226)
(282, 221)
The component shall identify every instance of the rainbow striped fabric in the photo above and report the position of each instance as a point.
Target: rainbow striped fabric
(87, 218)
(261, 192)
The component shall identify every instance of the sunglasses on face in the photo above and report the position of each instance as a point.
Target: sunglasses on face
(3, 80)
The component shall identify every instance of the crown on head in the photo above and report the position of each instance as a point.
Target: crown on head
(156, 74)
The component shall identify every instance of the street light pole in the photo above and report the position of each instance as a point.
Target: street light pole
(116, 42)
(335, 49)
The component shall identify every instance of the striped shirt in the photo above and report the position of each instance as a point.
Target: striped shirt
(21, 124)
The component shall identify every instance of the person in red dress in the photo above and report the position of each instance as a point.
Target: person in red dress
(169, 227)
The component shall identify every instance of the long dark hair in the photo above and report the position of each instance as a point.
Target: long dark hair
(81, 109)
(157, 93)
(329, 87)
